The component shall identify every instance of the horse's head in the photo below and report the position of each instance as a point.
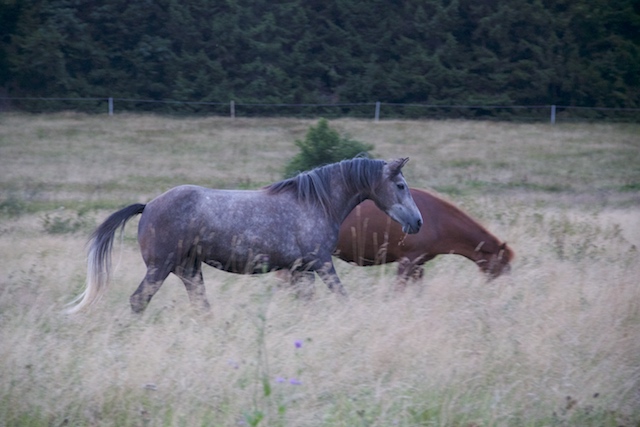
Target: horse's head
(392, 196)
(495, 262)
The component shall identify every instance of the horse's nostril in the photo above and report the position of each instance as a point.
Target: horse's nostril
(419, 223)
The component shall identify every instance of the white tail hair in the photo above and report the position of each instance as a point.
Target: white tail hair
(99, 258)
(96, 284)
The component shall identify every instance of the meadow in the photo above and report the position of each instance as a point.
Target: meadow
(554, 343)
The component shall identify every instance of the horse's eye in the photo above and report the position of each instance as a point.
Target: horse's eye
(401, 186)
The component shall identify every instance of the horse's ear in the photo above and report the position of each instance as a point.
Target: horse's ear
(395, 166)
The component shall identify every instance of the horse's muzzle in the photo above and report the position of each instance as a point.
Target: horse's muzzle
(412, 227)
(409, 219)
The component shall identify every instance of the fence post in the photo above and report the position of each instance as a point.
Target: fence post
(553, 114)
(232, 107)
(110, 106)
(377, 119)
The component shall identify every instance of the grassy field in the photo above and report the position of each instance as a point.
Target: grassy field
(556, 343)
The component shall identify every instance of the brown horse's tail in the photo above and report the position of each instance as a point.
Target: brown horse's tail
(99, 257)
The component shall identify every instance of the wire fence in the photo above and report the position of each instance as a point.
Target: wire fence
(366, 110)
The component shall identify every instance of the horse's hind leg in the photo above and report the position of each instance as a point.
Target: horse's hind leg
(195, 288)
(147, 289)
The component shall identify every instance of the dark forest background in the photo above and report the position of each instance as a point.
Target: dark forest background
(451, 52)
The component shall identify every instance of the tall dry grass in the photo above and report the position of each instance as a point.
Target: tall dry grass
(555, 343)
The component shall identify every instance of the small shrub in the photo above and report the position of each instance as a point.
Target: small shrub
(323, 145)
(13, 206)
(64, 224)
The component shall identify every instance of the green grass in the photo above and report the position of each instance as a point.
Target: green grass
(556, 343)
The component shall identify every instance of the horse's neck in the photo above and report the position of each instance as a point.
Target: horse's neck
(344, 200)
(347, 205)
(473, 240)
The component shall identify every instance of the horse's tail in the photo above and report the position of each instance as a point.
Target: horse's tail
(99, 257)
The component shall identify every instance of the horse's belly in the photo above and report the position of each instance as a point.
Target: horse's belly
(368, 257)
(249, 259)
(242, 265)
(368, 249)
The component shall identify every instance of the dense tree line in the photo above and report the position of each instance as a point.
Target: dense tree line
(520, 52)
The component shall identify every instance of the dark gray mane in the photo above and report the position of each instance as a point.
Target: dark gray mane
(314, 186)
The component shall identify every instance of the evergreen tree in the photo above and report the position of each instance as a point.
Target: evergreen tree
(522, 52)
(323, 145)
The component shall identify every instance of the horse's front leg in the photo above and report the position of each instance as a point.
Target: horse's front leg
(327, 273)
(194, 284)
(302, 282)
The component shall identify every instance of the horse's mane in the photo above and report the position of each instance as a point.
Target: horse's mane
(314, 186)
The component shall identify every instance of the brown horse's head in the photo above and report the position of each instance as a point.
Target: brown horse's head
(494, 262)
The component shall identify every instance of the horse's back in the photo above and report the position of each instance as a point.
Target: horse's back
(190, 209)
(186, 202)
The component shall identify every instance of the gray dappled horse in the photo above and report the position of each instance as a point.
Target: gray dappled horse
(292, 224)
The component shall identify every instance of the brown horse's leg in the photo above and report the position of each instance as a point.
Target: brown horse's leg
(404, 272)
(417, 273)
(408, 270)
(147, 289)
(195, 289)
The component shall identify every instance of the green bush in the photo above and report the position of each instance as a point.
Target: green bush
(323, 145)
(66, 223)
(13, 206)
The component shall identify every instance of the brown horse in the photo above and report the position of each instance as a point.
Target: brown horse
(367, 237)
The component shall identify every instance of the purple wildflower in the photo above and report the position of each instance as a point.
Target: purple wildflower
(280, 380)
(298, 343)
(294, 381)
